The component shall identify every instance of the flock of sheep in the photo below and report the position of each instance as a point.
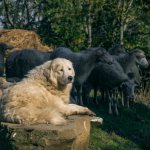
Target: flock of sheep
(95, 68)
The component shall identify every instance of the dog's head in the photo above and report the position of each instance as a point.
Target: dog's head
(60, 71)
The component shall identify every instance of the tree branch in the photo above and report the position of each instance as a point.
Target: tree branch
(7, 13)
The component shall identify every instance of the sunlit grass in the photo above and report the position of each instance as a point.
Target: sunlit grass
(102, 140)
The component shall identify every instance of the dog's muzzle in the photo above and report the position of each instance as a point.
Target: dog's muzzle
(70, 78)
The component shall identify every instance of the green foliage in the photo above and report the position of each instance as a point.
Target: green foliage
(138, 34)
(76, 23)
(102, 140)
(62, 23)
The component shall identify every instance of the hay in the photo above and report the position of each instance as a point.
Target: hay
(22, 39)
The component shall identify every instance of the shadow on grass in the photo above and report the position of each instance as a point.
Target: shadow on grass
(132, 124)
(4, 138)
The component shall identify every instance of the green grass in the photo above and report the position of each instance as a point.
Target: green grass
(128, 131)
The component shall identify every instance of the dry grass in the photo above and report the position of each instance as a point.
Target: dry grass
(143, 96)
(23, 39)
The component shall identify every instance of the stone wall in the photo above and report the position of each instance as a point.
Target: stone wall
(72, 136)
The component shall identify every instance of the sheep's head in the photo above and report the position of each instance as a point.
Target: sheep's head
(103, 56)
(4, 47)
(140, 58)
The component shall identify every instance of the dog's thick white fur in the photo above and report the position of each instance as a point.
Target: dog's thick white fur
(43, 96)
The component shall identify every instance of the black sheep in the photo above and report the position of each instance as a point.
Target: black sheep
(20, 62)
(106, 77)
(3, 48)
(130, 63)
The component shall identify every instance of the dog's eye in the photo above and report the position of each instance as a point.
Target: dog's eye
(69, 68)
(61, 69)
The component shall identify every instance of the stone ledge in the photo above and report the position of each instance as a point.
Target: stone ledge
(72, 136)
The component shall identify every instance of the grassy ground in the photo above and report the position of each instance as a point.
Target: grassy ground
(128, 131)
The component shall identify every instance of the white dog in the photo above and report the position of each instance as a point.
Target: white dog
(42, 97)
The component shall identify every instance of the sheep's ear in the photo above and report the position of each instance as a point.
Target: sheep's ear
(9, 46)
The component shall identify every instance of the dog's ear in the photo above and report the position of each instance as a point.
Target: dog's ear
(49, 73)
(52, 77)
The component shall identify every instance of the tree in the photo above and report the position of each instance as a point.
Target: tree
(81, 23)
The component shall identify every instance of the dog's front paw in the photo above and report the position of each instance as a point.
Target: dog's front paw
(91, 113)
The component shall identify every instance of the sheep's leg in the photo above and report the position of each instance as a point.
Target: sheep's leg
(74, 98)
(88, 97)
(148, 86)
(116, 102)
(102, 95)
(80, 98)
(79, 94)
(85, 93)
(135, 98)
(116, 109)
(110, 109)
(128, 102)
(95, 95)
(112, 95)
(132, 102)
(109, 101)
(145, 88)
(122, 98)
(77, 87)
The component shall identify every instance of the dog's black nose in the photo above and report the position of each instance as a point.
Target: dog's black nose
(70, 78)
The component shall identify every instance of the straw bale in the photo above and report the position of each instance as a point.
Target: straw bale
(23, 39)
